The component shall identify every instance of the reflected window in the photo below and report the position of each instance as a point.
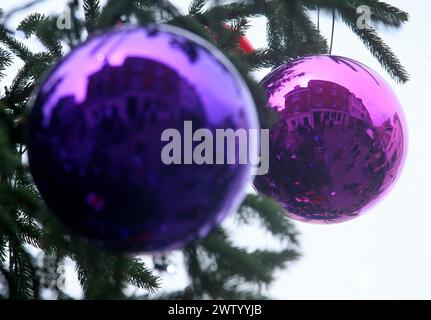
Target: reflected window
(132, 104)
(136, 82)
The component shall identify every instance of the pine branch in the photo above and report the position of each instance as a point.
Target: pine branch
(8, 160)
(231, 261)
(31, 23)
(196, 7)
(140, 276)
(384, 13)
(15, 46)
(21, 80)
(96, 272)
(41, 26)
(381, 11)
(271, 214)
(22, 263)
(92, 12)
(114, 10)
(5, 61)
(3, 248)
(377, 47)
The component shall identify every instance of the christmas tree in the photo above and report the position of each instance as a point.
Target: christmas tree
(34, 245)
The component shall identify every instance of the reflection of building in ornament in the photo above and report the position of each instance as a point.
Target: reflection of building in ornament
(115, 135)
(391, 136)
(321, 103)
(148, 88)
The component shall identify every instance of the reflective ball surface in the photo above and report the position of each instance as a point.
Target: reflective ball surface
(96, 138)
(339, 142)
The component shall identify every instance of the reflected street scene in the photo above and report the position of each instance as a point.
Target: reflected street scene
(333, 151)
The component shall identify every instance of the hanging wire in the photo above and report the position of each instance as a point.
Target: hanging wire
(332, 32)
(318, 18)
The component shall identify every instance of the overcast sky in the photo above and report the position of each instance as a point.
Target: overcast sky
(384, 253)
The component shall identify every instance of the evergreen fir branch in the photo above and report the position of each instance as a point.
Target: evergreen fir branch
(273, 34)
(232, 261)
(382, 12)
(30, 232)
(12, 281)
(271, 214)
(22, 262)
(5, 61)
(114, 10)
(143, 12)
(314, 42)
(275, 259)
(3, 248)
(96, 268)
(196, 7)
(31, 23)
(91, 273)
(191, 24)
(18, 97)
(236, 10)
(24, 80)
(140, 276)
(381, 51)
(28, 282)
(230, 36)
(41, 26)
(240, 25)
(228, 293)
(92, 11)
(220, 269)
(21, 79)
(15, 46)
(261, 58)
(8, 160)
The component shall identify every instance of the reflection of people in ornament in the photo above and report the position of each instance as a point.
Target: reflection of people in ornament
(329, 155)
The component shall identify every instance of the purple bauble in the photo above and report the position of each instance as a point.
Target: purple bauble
(340, 140)
(95, 144)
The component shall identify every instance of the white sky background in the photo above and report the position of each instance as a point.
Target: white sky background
(384, 253)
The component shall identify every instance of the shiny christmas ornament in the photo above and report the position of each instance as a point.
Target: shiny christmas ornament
(340, 140)
(246, 45)
(243, 44)
(98, 133)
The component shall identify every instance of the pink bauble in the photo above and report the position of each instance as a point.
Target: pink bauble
(340, 140)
